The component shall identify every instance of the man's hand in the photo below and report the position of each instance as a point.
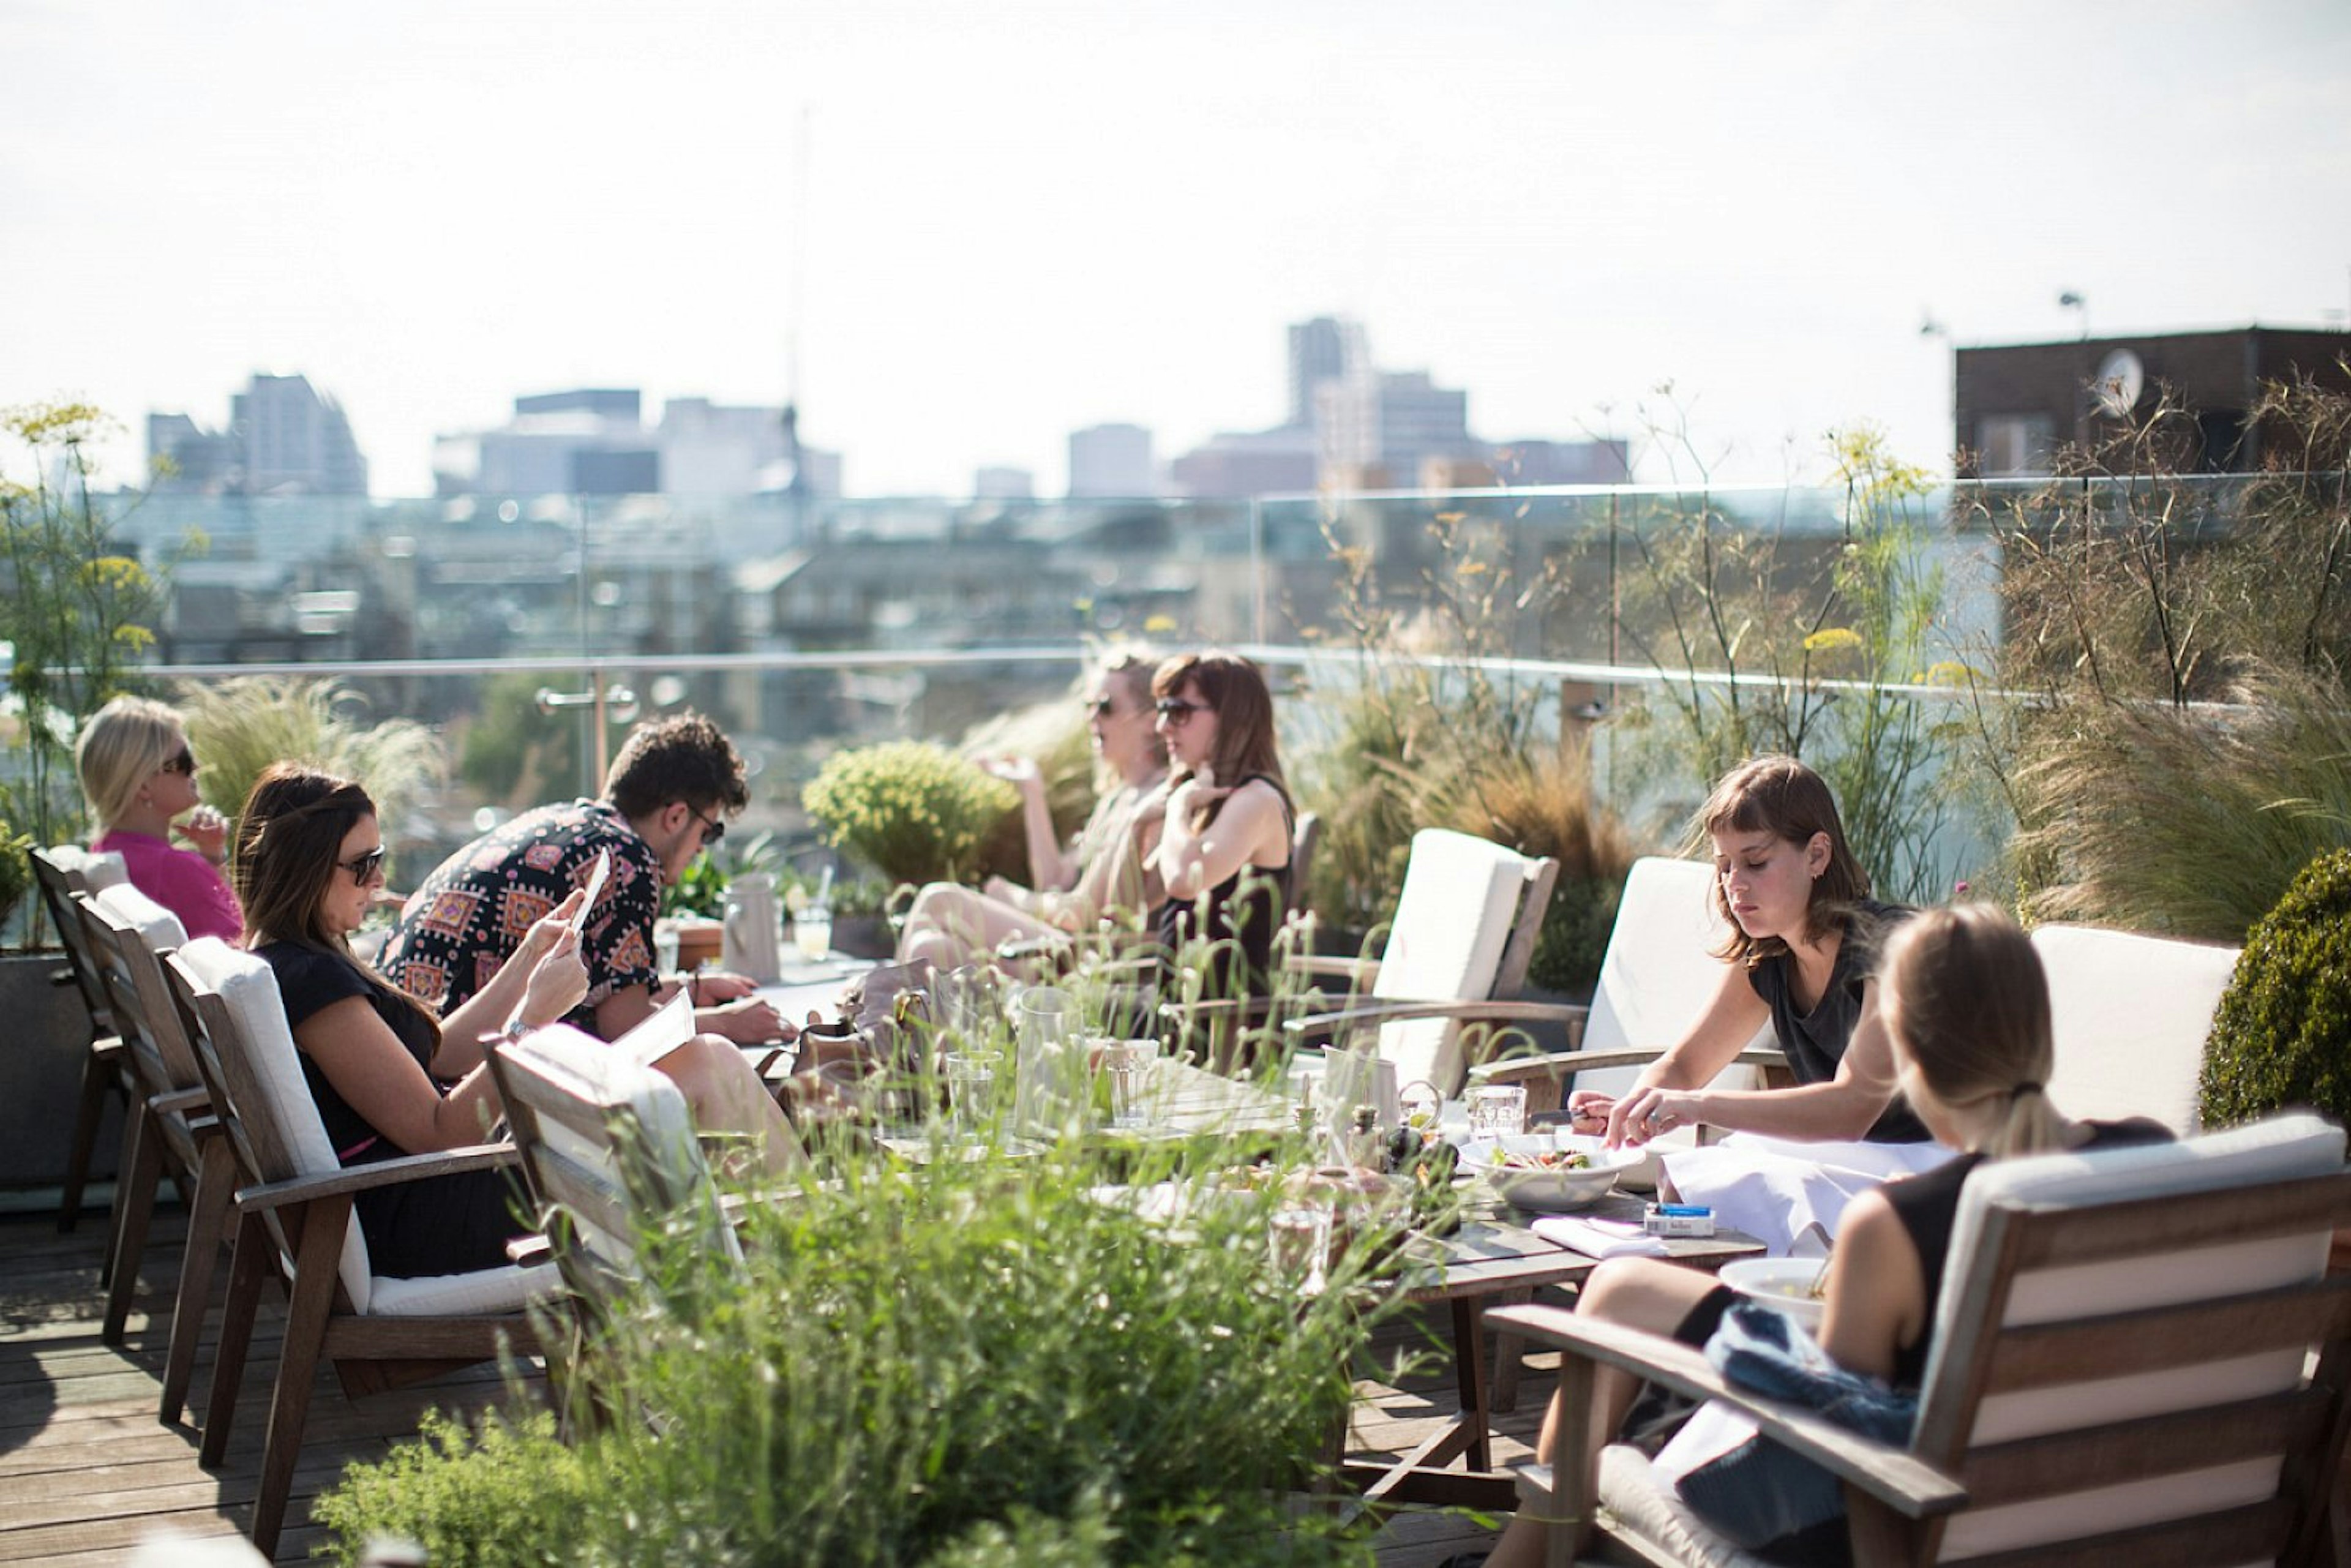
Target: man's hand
(712, 987)
(747, 1021)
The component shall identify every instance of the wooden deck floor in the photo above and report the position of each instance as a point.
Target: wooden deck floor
(86, 1470)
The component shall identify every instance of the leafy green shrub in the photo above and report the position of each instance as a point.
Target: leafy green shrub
(16, 870)
(1574, 935)
(2282, 1034)
(913, 812)
(962, 1365)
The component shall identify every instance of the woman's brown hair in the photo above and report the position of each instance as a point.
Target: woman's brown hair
(1966, 1003)
(1780, 796)
(1235, 691)
(289, 840)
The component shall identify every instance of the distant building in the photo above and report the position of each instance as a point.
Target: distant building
(1375, 430)
(593, 441)
(1559, 463)
(1003, 484)
(283, 439)
(1327, 349)
(1111, 460)
(1238, 465)
(2014, 405)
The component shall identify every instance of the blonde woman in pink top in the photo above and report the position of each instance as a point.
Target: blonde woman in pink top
(140, 775)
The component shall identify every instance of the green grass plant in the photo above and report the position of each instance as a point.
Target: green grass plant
(958, 1364)
(2283, 1034)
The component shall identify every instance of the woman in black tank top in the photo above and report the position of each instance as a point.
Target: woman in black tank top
(1224, 848)
(1967, 1012)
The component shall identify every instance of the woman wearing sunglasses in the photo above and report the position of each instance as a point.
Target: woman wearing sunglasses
(388, 1076)
(1224, 852)
(1103, 872)
(141, 778)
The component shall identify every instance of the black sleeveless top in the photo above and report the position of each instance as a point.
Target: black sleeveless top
(1928, 1204)
(1814, 1042)
(1239, 916)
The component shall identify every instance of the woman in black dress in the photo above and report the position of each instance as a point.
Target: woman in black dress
(1224, 849)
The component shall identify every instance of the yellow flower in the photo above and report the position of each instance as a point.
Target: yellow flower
(1831, 638)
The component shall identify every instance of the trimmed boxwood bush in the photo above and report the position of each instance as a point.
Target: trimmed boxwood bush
(913, 812)
(2282, 1034)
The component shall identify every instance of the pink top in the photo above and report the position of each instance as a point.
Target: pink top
(181, 881)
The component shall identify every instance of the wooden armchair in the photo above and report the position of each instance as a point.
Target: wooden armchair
(2139, 1359)
(1457, 951)
(62, 871)
(294, 1222)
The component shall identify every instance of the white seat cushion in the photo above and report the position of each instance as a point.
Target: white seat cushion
(1644, 1508)
(1453, 920)
(504, 1288)
(2130, 1014)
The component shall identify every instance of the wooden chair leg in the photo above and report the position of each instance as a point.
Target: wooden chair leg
(96, 1079)
(207, 1223)
(253, 1260)
(134, 1205)
(315, 1256)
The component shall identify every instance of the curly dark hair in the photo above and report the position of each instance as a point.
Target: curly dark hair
(682, 757)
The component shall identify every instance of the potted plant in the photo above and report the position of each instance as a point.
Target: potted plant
(912, 812)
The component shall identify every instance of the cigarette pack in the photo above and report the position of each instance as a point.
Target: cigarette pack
(1678, 1219)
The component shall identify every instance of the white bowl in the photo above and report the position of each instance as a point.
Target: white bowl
(1782, 1282)
(1548, 1190)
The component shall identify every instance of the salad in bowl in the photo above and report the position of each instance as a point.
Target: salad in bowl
(1546, 1172)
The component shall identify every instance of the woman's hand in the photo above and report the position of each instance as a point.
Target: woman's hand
(206, 832)
(558, 980)
(1194, 795)
(1151, 808)
(1021, 772)
(549, 929)
(1587, 1111)
(1647, 1112)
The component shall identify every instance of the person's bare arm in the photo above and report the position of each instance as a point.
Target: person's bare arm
(377, 1076)
(1731, 1018)
(747, 1019)
(1050, 867)
(1192, 861)
(1844, 1107)
(1876, 1298)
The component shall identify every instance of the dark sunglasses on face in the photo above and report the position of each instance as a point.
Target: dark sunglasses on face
(184, 763)
(1177, 712)
(713, 830)
(365, 868)
(1101, 707)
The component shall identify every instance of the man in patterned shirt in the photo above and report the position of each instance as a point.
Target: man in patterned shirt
(665, 801)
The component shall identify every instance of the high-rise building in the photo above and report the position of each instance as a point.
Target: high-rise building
(1111, 460)
(283, 439)
(1327, 349)
(1375, 429)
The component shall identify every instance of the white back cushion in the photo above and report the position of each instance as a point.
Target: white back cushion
(1460, 899)
(2130, 1014)
(1660, 970)
(87, 868)
(161, 931)
(249, 989)
(2279, 1149)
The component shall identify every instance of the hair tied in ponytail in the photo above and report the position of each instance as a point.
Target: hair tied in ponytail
(2028, 1087)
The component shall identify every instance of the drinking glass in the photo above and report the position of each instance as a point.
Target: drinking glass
(1128, 1062)
(1498, 1110)
(1301, 1235)
(971, 1092)
(664, 948)
(812, 933)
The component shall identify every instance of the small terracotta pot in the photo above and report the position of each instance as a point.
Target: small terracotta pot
(699, 942)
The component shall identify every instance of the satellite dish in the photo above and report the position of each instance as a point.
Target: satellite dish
(2120, 379)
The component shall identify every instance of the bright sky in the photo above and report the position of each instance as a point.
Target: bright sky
(1026, 217)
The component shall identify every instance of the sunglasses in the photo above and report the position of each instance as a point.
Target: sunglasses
(713, 830)
(1177, 712)
(184, 763)
(367, 867)
(1100, 707)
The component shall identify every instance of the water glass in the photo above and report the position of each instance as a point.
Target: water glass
(812, 933)
(971, 1092)
(1128, 1062)
(1498, 1110)
(1301, 1236)
(664, 948)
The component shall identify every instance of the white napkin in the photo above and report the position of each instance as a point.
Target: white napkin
(1599, 1238)
(1790, 1195)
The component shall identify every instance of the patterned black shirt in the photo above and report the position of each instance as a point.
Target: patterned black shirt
(473, 910)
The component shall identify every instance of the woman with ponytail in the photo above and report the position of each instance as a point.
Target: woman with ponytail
(1965, 1010)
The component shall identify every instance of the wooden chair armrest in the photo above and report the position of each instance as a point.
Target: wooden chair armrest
(1380, 1012)
(1359, 973)
(1897, 1478)
(1567, 1063)
(382, 1172)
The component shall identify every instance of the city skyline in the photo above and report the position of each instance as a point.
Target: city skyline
(1028, 220)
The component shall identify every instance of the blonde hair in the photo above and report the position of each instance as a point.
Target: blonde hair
(124, 744)
(1967, 1006)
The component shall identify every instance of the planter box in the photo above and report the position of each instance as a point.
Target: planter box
(40, 1075)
